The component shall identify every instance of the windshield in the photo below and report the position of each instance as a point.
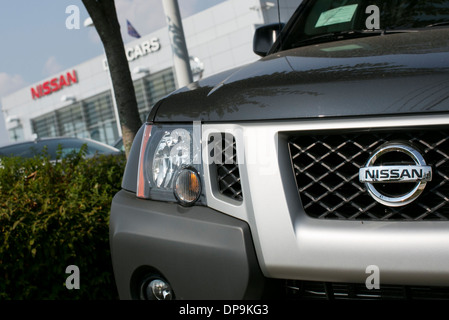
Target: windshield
(320, 19)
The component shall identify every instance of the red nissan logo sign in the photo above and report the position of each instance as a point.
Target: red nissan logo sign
(54, 85)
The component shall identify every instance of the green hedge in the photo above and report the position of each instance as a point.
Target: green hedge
(53, 215)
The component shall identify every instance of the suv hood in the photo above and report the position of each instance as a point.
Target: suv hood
(390, 74)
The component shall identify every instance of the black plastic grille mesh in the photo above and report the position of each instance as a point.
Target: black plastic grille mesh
(334, 291)
(327, 174)
(222, 149)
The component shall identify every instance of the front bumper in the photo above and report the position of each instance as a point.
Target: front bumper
(202, 253)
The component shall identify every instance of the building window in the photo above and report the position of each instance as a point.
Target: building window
(71, 121)
(45, 126)
(16, 134)
(152, 88)
(100, 119)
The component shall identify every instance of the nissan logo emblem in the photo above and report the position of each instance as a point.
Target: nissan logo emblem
(416, 174)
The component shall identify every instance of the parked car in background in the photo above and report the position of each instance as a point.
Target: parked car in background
(319, 171)
(53, 147)
(119, 144)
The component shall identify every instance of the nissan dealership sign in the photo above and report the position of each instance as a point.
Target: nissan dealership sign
(139, 50)
(53, 85)
(142, 49)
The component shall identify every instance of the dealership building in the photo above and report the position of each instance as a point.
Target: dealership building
(78, 101)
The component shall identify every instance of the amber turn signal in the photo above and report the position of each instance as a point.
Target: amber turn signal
(187, 187)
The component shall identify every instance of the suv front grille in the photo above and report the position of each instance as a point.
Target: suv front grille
(326, 168)
(222, 150)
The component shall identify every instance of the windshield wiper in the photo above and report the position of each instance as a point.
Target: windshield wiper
(341, 35)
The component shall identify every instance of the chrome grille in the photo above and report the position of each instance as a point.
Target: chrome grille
(222, 149)
(326, 168)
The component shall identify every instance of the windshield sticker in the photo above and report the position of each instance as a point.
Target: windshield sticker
(337, 15)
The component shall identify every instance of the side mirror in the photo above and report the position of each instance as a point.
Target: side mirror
(264, 38)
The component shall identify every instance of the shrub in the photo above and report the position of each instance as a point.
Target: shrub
(53, 215)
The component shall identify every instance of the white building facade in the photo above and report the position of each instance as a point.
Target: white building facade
(78, 101)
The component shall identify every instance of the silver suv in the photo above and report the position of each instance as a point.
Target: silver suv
(319, 171)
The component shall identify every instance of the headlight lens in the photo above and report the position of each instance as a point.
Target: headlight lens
(173, 151)
(166, 152)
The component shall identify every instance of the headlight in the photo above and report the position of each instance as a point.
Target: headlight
(171, 153)
(170, 164)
